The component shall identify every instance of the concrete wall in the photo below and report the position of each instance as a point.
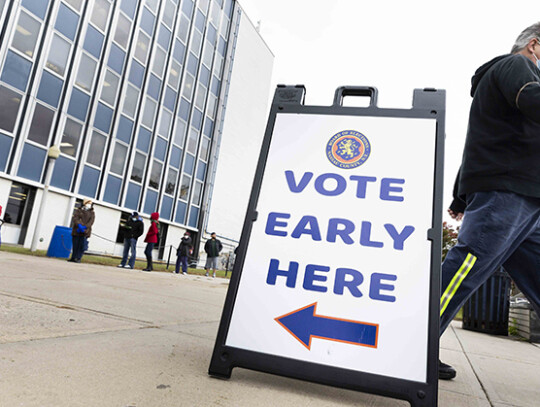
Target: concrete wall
(243, 131)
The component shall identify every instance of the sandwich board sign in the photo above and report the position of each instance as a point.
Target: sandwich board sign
(336, 279)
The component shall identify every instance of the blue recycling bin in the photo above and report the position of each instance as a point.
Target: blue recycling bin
(61, 243)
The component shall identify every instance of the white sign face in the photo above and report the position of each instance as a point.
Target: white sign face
(337, 269)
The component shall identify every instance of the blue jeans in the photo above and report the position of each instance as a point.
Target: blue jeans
(78, 247)
(148, 254)
(129, 245)
(181, 261)
(499, 229)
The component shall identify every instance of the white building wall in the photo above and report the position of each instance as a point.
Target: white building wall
(243, 131)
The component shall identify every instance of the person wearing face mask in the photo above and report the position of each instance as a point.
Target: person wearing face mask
(133, 229)
(497, 191)
(212, 247)
(185, 248)
(82, 221)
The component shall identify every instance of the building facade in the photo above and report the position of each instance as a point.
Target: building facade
(135, 94)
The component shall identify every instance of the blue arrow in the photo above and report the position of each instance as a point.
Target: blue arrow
(304, 325)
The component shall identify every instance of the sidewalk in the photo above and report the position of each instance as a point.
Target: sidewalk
(88, 335)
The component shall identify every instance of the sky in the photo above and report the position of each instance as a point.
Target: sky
(396, 46)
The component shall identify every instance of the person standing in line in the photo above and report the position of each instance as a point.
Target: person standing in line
(212, 247)
(498, 185)
(82, 221)
(151, 239)
(133, 230)
(184, 250)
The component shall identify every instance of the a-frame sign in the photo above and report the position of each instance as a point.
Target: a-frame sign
(337, 275)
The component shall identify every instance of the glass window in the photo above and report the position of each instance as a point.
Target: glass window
(180, 215)
(38, 7)
(165, 124)
(16, 203)
(26, 34)
(197, 189)
(32, 161)
(152, 4)
(192, 64)
(170, 99)
(16, 71)
(130, 100)
(208, 54)
(96, 149)
(211, 34)
(180, 132)
(189, 162)
(154, 87)
(179, 51)
(67, 21)
(155, 175)
(203, 5)
(93, 42)
(160, 149)
(50, 89)
(143, 141)
(216, 11)
(193, 216)
(176, 155)
(204, 76)
(147, 22)
(201, 170)
(76, 4)
(228, 7)
(5, 144)
(169, 13)
(118, 159)
(112, 190)
(87, 69)
(172, 176)
(110, 88)
(58, 55)
(89, 181)
(187, 7)
(116, 59)
(78, 105)
(100, 14)
(70, 137)
(183, 30)
(103, 118)
(149, 113)
(211, 105)
(183, 112)
(164, 38)
(132, 196)
(201, 97)
(192, 141)
(159, 62)
(41, 124)
(123, 27)
(174, 74)
(143, 46)
(221, 46)
(196, 119)
(136, 74)
(205, 148)
(129, 7)
(9, 108)
(199, 21)
(139, 163)
(208, 126)
(188, 86)
(196, 42)
(124, 130)
(184, 187)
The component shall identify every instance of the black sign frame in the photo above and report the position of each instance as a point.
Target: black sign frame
(427, 103)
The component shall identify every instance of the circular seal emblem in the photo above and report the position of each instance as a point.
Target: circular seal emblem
(348, 149)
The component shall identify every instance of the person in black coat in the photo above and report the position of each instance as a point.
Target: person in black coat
(212, 247)
(133, 229)
(185, 248)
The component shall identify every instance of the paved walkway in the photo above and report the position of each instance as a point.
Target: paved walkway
(86, 335)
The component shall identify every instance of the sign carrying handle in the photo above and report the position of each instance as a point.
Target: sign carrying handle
(343, 91)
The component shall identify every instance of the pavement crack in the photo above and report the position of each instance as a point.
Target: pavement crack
(472, 367)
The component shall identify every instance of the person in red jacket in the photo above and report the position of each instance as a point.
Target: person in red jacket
(151, 239)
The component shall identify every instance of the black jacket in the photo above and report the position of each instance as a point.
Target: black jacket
(185, 245)
(134, 228)
(502, 149)
(212, 249)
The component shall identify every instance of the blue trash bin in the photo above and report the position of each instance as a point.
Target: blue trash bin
(61, 243)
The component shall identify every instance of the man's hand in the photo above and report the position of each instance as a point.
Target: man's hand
(455, 215)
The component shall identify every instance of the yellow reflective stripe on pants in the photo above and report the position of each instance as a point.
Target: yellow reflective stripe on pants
(456, 281)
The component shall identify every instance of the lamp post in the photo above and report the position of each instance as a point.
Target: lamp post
(52, 155)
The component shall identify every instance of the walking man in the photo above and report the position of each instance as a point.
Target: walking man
(133, 229)
(212, 247)
(498, 187)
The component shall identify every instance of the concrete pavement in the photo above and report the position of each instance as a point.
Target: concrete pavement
(87, 335)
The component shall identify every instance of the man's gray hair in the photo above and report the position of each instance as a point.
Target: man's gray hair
(526, 35)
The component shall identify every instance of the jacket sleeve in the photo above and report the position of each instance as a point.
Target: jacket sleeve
(138, 229)
(220, 246)
(519, 81)
(458, 205)
(207, 246)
